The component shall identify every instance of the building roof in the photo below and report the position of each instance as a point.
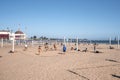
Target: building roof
(19, 32)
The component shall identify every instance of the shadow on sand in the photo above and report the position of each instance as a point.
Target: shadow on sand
(78, 74)
(112, 60)
(114, 75)
(97, 67)
(61, 53)
(96, 52)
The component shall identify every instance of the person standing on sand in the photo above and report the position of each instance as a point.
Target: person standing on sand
(64, 48)
(39, 50)
(46, 46)
(72, 48)
(94, 47)
(55, 46)
(26, 47)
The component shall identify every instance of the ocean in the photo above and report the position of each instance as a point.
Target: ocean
(100, 41)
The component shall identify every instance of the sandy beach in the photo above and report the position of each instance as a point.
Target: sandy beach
(56, 65)
(60, 40)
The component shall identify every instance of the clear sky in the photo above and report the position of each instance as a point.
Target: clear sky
(91, 19)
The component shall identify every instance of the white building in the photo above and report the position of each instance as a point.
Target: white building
(5, 34)
(19, 35)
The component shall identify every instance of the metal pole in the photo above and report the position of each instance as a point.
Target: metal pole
(13, 46)
(2, 42)
(32, 42)
(110, 41)
(77, 44)
(6, 41)
(64, 41)
(118, 42)
(13, 43)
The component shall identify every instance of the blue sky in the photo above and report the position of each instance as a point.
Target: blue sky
(91, 19)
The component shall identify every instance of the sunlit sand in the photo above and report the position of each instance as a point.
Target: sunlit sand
(56, 65)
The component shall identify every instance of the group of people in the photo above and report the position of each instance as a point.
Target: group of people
(46, 48)
(85, 50)
(55, 48)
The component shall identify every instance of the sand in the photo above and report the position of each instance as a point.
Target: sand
(56, 65)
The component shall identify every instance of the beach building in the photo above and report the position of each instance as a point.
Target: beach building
(5, 34)
(19, 35)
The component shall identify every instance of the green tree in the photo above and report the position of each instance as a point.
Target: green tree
(34, 37)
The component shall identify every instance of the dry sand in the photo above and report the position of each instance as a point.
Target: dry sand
(53, 65)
